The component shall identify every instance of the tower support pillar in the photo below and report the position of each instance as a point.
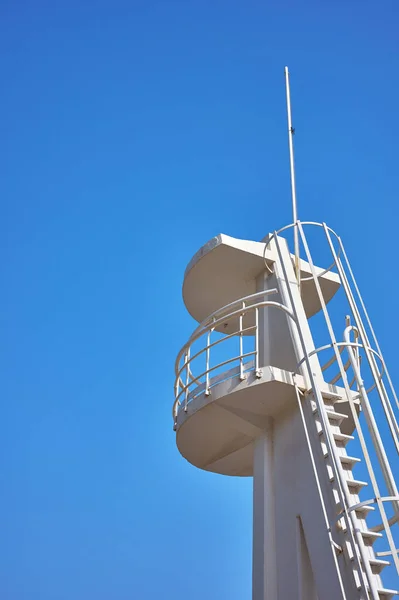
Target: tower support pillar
(264, 566)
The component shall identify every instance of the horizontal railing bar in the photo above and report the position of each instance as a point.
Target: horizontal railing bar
(194, 337)
(205, 323)
(248, 367)
(345, 344)
(386, 553)
(306, 223)
(353, 345)
(391, 521)
(323, 226)
(358, 505)
(226, 362)
(214, 381)
(226, 337)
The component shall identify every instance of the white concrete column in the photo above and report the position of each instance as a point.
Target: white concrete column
(275, 344)
(297, 307)
(264, 567)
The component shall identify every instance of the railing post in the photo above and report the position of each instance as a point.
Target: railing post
(187, 360)
(183, 385)
(207, 366)
(242, 376)
(258, 372)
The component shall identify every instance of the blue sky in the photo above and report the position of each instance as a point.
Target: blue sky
(132, 132)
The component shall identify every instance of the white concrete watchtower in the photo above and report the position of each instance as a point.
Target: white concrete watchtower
(253, 397)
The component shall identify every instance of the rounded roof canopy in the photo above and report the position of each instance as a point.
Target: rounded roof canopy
(225, 269)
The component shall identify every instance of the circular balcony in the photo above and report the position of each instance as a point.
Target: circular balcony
(221, 405)
(225, 387)
(202, 362)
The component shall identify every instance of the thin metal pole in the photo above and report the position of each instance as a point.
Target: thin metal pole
(291, 132)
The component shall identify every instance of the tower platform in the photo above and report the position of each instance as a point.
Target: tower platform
(226, 268)
(225, 412)
(218, 431)
(253, 399)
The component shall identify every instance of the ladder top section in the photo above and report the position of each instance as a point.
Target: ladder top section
(225, 269)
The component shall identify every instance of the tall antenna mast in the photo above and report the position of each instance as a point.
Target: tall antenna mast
(291, 132)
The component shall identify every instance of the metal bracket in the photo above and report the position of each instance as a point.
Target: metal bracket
(337, 547)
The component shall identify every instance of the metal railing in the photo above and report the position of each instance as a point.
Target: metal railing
(189, 385)
(363, 362)
(377, 463)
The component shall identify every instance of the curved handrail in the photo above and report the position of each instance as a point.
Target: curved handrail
(350, 345)
(197, 354)
(217, 312)
(222, 364)
(210, 324)
(323, 225)
(197, 334)
(380, 527)
(210, 320)
(204, 325)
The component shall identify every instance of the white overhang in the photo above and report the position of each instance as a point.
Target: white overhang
(225, 269)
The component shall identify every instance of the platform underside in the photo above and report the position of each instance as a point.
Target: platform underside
(225, 269)
(218, 431)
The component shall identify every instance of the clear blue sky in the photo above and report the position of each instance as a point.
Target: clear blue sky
(131, 133)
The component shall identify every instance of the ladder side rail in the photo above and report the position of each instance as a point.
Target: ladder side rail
(385, 521)
(390, 416)
(319, 488)
(362, 440)
(373, 427)
(395, 518)
(393, 426)
(367, 318)
(367, 567)
(366, 577)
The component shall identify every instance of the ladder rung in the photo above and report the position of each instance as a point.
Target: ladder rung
(331, 395)
(345, 459)
(370, 536)
(355, 486)
(349, 460)
(342, 437)
(363, 511)
(332, 415)
(339, 437)
(385, 594)
(378, 565)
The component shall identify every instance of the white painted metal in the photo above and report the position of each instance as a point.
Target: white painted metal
(267, 409)
(251, 398)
